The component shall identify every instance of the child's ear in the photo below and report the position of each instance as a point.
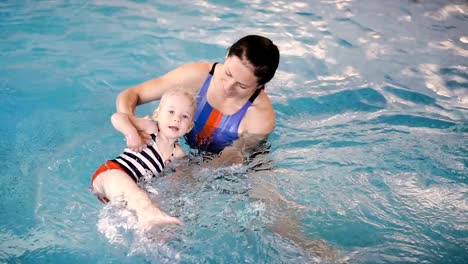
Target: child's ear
(156, 113)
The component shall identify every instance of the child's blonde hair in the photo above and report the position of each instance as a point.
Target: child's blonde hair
(188, 95)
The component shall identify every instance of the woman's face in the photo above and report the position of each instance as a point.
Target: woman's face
(237, 78)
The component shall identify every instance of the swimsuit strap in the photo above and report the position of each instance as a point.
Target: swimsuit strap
(169, 160)
(255, 94)
(213, 68)
(173, 150)
(204, 88)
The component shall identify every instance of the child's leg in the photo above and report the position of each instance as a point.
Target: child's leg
(115, 184)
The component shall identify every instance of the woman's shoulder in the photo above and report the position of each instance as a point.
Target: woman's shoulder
(201, 67)
(190, 75)
(261, 109)
(262, 102)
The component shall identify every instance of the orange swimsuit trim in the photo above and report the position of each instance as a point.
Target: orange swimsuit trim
(109, 165)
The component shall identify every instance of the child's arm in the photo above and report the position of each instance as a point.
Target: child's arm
(129, 126)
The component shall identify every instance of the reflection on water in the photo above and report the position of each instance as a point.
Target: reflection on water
(368, 156)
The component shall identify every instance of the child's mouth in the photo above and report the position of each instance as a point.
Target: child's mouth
(173, 128)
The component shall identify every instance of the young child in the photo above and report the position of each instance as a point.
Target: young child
(118, 178)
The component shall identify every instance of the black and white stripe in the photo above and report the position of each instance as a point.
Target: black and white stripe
(145, 164)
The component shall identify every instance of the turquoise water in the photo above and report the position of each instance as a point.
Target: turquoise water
(371, 101)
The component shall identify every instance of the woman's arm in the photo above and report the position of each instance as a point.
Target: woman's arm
(178, 152)
(235, 153)
(257, 124)
(188, 76)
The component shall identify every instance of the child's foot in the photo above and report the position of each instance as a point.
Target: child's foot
(150, 219)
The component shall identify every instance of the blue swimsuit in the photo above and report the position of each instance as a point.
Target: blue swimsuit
(213, 130)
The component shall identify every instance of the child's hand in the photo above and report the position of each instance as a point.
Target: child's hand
(145, 137)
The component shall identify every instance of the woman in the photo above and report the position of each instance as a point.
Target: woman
(234, 113)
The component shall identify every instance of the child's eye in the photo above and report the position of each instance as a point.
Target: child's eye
(171, 111)
(185, 116)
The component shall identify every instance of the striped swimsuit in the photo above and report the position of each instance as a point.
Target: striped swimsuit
(213, 131)
(143, 165)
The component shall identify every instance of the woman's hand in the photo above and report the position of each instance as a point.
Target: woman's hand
(228, 157)
(137, 141)
(136, 130)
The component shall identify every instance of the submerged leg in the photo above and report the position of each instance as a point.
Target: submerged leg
(116, 184)
(287, 225)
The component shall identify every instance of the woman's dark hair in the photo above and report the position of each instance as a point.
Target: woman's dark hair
(261, 53)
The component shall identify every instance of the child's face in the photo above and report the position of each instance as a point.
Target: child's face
(175, 116)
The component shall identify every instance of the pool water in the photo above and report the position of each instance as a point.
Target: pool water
(370, 147)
